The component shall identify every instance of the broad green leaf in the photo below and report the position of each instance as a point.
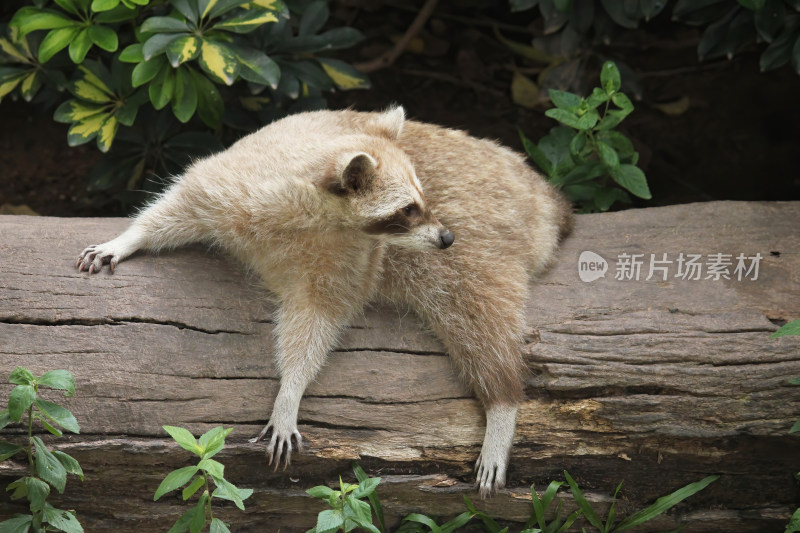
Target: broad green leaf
(610, 78)
(246, 22)
(8, 450)
(104, 5)
(338, 38)
(605, 197)
(212, 441)
(664, 503)
(184, 438)
(588, 120)
(147, 70)
(425, 520)
(76, 110)
(184, 104)
(48, 467)
(182, 49)
(623, 102)
(175, 479)
(59, 415)
(79, 46)
(329, 520)
(633, 179)
(524, 91)
(320, 491)
(257, 67)
(210, 106)
(30, 86)
(97, 75)
(47, 425)
(55, 41)
(58, 379)
(162, 88)
(164, 25)
(157, 44)
(218, 526)
(314, 18)
(212, 468)
(18, 489)
(227, 491)
(790, 328)
(536, 154)
(187, 8)
(199, 516)
(356, 512)
(5, 418)
(597, 98)
(343, 75)
(563, 116)
(9, 84)
(374, 501)
(9, 49)
(608, 155)
(794, 523)
(580, 499)
(69, 463)
(564, 100)
(121, 13)
(182, 524)
(611, 120)
(37, 492)
(29, 19)
(17, 524)
(63, 520)
(366, 487)
(190, 489)
(21, 376)
(104, 37)
(132, 54)
(780, 51)
(85, 130)
(619, 142)
(19, 400)
(219, 61)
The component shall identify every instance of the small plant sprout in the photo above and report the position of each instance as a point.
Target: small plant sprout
(47, 468)
(585, 156)
(199, 477)
(348, 511)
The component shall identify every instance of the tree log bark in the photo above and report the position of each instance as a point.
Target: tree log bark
(657, 383)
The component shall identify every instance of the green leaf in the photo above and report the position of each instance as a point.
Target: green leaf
(5, 418)
(374, 501)
(633, 179)
(565, 100)
(456, 523)
(69, 463)
(753, 5)
(329, 520)
(106, 133)
(146, 71)
(47, 425)
(121, 13)
(104, 5)
(212, 441)
(608, 155)
(37, 492)
(247, 22)
(623, 102)
(59, 415)
(48, 467)
(597, 98)
(132, 54)
(563, 116)
(164, 25)
(610, 78)
(85, 130)
(185, 439)
(790, 328)
(182, 524)
(210, 106)
(257, 67)
(175, 479)
(228, 491)
(344, 76)
(338, 38)
(161, 89)
(580, 499)
(320, 491)
(780, 51)
(366, 487)
(425, 520)
(20, 399)
(536, 154)
(187, 8)
(219, 61)
(104, 37)
(190, 489)
(212, 468)
(588, 120)
(21, 376)
(182, 49)
(184, 104)
(55, 41)
(59, 380)
(611, 120)
(28, 19)
(794, 523)
(63, 520)
(75, 111)
(664, 503)
(8, 450)
(616, 10)
(157, 44)
(218, 526)
(314, 18)
(17, 524)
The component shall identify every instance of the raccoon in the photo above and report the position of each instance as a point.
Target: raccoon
(335, 208)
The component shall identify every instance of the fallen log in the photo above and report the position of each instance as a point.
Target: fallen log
(657, 382)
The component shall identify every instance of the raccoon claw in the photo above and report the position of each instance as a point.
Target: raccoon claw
(95, 256)
(280, 444)
(491, 476)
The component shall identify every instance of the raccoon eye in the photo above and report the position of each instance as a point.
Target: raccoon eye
(410, 209)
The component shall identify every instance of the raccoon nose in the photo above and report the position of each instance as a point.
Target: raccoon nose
(446, 238)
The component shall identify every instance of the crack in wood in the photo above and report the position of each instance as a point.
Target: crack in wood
(30, 321)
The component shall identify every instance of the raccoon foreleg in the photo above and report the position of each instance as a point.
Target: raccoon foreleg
(305, 333)
(493, 460)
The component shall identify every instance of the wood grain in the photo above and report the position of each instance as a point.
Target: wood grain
(657, 383)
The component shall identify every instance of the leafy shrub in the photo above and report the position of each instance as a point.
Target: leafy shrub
(212, 66)
(197, 477)
(586, 156)
(47, 469)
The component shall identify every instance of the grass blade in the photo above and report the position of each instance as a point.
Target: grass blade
(664, 503)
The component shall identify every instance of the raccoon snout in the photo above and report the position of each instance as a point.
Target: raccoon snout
(446, 238)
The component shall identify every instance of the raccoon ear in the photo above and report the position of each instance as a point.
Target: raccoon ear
(355, 171)
(390, 123)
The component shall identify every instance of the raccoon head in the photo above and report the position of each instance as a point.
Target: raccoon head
(386, 200)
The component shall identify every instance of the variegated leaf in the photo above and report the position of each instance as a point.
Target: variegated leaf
(183, 49)
(247, 21)
(219, 61)
(95, 80)
(10, 50)
(30, 86)
(10, 83)
(88, 91)
(55, 41)
(87, 129)
(76, 110)
(106, 134)
(343, 75)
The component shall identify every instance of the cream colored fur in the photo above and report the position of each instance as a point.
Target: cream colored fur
(292, 202)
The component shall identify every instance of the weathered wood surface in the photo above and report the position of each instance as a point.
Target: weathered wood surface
(657, 383)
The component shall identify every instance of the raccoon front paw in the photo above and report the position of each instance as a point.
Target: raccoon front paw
(491, 475)
(93, 257)
(280, 442)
